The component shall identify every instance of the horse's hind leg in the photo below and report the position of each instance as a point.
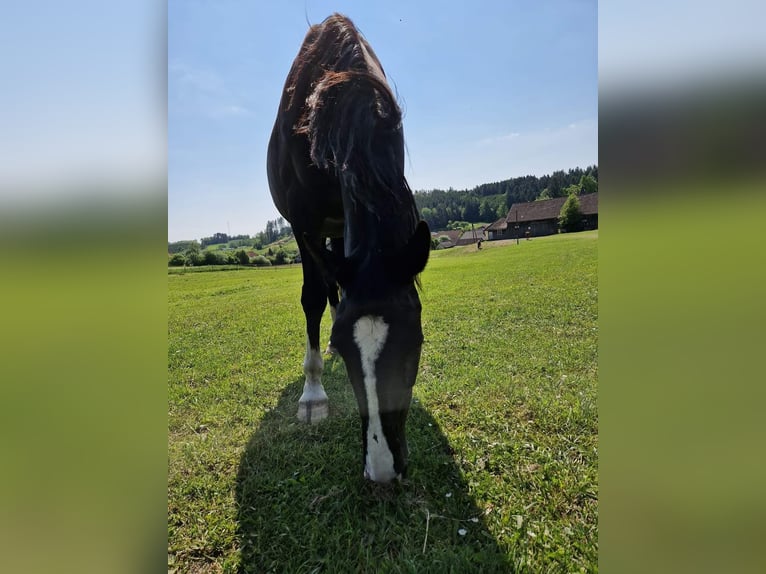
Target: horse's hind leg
(313, 404)
(332, 296)
(332, 290)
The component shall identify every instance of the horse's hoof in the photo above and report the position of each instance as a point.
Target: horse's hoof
(314, 411)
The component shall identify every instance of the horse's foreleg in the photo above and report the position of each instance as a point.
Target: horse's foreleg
(313, 404)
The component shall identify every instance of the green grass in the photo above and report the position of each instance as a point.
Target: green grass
(213, 268)
(502, 430)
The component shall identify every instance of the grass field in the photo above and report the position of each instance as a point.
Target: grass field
(502, 430)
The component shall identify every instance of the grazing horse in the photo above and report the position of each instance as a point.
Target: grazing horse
(336, 171)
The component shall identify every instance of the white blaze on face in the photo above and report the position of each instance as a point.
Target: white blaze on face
(370, 335)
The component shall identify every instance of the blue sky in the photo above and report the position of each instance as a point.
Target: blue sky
(79, 99)
(490, 90)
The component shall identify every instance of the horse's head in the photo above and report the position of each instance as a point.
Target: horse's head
(380, 346)
(378, 333)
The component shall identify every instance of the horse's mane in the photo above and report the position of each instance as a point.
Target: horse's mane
(353, 122)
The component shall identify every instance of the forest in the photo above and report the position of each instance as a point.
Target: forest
(490, 201)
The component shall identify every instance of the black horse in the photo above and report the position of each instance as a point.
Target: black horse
(336, 170)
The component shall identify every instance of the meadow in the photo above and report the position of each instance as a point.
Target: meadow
(503, 429)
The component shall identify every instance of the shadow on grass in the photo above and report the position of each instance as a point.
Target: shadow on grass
(303, 505)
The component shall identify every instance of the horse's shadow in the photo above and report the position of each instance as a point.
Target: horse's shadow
(303, 505)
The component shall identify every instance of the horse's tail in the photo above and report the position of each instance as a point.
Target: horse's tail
(354, 127)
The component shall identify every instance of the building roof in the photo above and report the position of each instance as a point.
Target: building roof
(471, 236)
(498, 225)
(549, 208)
(453, 234)
(589, 203)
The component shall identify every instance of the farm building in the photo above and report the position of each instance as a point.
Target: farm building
(471, 236)
(498, 229)
(541, 218)
(451, 238)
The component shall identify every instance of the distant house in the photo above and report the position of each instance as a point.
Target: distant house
(498, 229)
(538, 218)
(471, 236)
(458, 237)
(452, 237)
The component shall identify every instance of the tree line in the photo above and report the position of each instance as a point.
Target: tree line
(275, 230)
(193, 257)
(489, 202)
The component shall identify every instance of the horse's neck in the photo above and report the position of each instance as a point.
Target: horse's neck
(361, 230)
(364, 231)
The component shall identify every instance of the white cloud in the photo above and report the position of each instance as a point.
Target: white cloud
(503, 156)
(231, 111)
(187, 77)
(201, 92)
(495, 139)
